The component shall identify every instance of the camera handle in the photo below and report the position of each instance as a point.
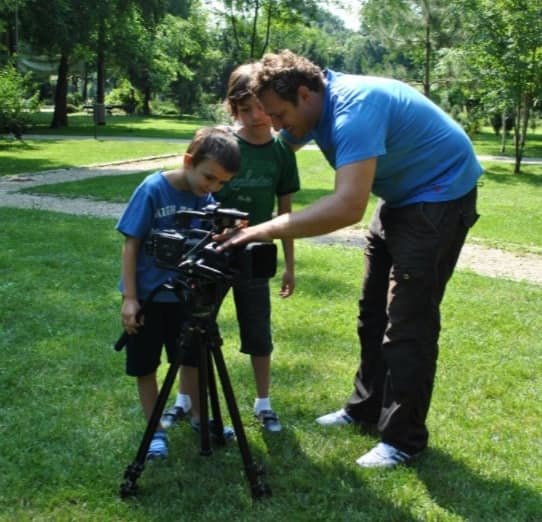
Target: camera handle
(200, 333)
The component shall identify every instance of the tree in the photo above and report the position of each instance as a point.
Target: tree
(9, 27)
(251, 22)
(412, 31)
(57, 28)
(505, 49)
(15, 101)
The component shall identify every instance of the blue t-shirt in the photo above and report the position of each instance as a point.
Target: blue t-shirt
(152, 208)
(422, 153)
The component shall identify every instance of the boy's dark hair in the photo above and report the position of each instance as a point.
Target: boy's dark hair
(218, 144)
(284, 73)
(239, 86)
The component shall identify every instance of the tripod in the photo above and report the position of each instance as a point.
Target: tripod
(199, 333)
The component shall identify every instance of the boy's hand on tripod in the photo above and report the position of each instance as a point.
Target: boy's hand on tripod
(130, 309)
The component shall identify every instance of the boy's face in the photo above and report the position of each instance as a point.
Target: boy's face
(251, 115)
(207, 176)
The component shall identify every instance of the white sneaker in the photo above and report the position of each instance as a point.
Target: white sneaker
(383, 456)
(337, 418)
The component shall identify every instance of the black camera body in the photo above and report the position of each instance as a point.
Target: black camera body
(193, 252)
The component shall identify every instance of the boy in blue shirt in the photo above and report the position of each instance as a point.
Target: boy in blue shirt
(210, 161)
(380, 136)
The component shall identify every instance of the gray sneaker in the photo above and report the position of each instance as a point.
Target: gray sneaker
(269, 420)
(172, 416)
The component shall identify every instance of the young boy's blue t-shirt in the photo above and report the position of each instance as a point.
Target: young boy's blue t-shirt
(422, 153)
(152, 208)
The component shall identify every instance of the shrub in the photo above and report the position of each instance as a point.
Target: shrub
(16, 103)
(126, 95)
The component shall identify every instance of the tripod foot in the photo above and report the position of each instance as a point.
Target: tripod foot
(258, 487)
(129, 487)
(260, 491)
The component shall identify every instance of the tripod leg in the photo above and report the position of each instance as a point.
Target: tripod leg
(132, 472)
(203, 371)
(253, 472)
(218, 424)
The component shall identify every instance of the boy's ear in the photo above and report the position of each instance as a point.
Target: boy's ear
(187, 160)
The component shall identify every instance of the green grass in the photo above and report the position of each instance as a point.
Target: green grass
(509, 204)
(71, 423)
(81, 124)
(486, 142)
(40, 155)
(36, 155)
(510, 208)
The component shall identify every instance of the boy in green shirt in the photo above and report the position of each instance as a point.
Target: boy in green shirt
(268, 172)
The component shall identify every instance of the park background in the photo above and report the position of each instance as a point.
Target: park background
(69, 417)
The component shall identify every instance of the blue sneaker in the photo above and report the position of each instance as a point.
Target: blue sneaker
(158, 448)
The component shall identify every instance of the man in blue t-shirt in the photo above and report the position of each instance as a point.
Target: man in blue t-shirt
(380, 136)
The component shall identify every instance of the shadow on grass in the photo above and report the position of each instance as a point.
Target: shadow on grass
(14, 163)
(502, 174)
(457, 489)
(300, 488)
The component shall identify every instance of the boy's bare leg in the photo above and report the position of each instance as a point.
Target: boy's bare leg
(148, 393)
(189, 385)
(262, 374)
(262, 404)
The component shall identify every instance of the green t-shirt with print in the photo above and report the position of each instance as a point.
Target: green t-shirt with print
(267, 171)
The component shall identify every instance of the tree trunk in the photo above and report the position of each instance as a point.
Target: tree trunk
(267, 29)
(147, 101)
(504, 131)
(60, 115)
(84, 87)
(523, 125)
(517, 140)
(99, 110)
(427, 65)
(254, 29)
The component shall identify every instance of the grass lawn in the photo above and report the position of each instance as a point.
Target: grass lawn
(71, 422)
(41, 155)
(82, 124)
(509, 204)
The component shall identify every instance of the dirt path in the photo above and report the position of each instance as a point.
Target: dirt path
(482, 260)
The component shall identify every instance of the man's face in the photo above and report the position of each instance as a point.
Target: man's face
(297, 120)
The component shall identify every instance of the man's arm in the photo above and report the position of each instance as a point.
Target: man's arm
(344, 207)
(284, 205)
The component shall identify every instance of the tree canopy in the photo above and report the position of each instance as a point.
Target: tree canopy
(476, 58)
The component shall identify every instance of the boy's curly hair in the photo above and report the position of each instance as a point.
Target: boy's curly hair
(284, 73)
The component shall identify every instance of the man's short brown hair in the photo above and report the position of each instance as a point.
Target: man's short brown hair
(284, 73)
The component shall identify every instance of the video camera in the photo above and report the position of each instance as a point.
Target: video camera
(193, 252)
